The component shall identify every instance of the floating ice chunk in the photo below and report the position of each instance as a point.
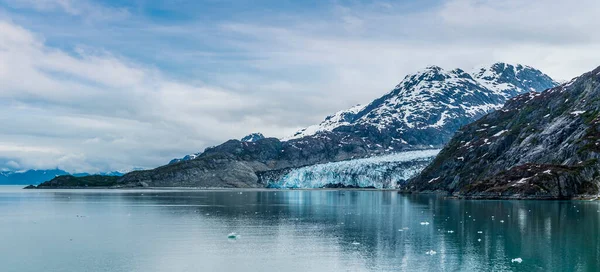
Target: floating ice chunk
(516, 260)
(233, 236)
(431, 252)
(424, 223)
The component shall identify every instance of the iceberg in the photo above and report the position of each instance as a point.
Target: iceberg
(381, 172)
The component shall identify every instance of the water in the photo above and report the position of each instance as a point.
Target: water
(108, 230)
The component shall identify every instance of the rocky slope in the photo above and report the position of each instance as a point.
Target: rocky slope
(422, 112)
(539, 145)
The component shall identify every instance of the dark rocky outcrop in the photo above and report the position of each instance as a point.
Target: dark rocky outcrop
(539, 145)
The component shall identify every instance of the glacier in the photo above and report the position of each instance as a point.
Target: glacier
(381, 172)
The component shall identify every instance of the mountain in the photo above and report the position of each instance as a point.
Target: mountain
(29, 176)
(426, 108)
(253, 137)
(38, 176)
(539, 145)
(422, 112)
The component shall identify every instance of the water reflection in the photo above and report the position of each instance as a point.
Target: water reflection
(291, 231)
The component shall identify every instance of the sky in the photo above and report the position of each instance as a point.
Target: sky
(97, 86)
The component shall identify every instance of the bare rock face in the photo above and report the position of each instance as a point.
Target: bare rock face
(539, 145)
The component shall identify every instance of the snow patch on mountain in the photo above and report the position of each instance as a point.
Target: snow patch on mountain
(340, 118)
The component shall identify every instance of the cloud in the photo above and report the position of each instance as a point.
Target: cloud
(98, 112)
(80, 8)
(110, 88)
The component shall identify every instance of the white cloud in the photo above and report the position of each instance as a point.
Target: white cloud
(97, 112)
(100, 110)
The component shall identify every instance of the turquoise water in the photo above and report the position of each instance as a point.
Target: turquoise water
(109, 230)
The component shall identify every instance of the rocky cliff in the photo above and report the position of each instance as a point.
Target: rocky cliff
(539, 145)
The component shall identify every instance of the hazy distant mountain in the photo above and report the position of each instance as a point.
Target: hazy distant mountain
(38, 176)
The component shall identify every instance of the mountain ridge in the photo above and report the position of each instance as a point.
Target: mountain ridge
(539, 145)
(422, 112)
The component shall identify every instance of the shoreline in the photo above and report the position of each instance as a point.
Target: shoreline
(399, 191)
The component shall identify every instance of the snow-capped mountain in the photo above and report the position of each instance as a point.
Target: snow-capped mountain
(434, 102)
(512, 80)
(422, 112)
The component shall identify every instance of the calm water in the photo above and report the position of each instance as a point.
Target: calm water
(105, 230)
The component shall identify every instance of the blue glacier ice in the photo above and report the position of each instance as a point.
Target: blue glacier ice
(388, 171)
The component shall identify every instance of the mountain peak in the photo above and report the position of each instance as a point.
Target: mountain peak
(253, 137)
(512, 79)
(435, 99)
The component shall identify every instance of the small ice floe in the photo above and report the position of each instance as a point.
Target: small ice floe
(480, 232)
(233, 236)
(431, 252)
(516, 260)
(355, 243)
(424, 223)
